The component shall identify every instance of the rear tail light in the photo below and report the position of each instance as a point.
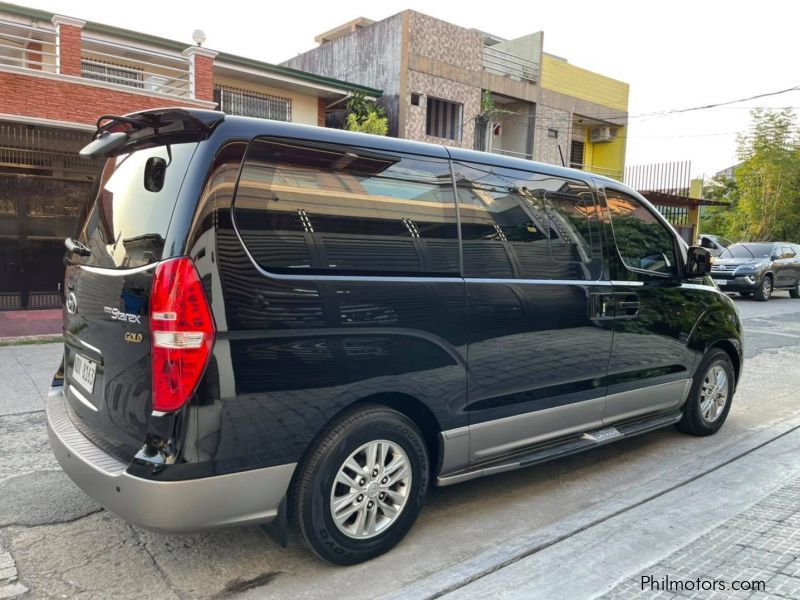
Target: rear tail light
(182, 333)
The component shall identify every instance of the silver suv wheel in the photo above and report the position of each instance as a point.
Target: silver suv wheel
(714, 393)
(371, 489)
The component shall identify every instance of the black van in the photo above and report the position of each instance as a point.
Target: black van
(273, 323)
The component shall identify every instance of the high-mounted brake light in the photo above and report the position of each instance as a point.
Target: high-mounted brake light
(181, 333)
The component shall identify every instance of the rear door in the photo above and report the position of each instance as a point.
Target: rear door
(107, 340)
(785, 267)
(538, 340)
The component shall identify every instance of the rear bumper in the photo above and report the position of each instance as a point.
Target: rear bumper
(164, 506)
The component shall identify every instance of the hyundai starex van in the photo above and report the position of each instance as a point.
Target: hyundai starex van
(268, 323)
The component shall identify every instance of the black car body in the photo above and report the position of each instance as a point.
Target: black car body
(758, 268)
(243, 295)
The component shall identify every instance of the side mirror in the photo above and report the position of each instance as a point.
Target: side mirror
(698, 262)
(775, 257)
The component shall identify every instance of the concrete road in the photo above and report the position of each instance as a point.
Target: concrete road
(56, 542)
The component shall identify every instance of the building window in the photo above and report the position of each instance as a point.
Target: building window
(415, 99)
(444, 119)
(576, 154)
(552, 133)
(111, 73)
(253, 104)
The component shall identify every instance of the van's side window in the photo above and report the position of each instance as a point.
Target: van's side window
(310, 207)
(644, 242)
(518, 224)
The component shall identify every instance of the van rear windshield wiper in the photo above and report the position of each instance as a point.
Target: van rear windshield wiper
(77, 247)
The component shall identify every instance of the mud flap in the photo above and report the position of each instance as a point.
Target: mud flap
(278, 529)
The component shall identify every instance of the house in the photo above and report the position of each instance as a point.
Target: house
(58, 74)
(438, 78)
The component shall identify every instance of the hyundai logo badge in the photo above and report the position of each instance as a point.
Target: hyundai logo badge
(72, 303)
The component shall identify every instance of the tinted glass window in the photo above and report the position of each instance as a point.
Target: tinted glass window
(787, 252)
(311, 207)
(127, 223)
(526, 225)
(643, 241)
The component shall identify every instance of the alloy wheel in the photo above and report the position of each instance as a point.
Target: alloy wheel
(714, 393)
(371, 489)
(766, 287)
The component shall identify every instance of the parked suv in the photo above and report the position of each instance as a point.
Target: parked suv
(273, 323)
(758, 269)
(715, 244)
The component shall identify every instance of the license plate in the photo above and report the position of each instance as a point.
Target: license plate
(721, 281)
(83, 371)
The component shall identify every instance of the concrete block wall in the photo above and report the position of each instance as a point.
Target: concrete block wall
(429, 86)
(440, 44)
(545, 148)
(370, 56)
(443, 41)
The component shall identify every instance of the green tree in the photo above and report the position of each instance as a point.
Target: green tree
(490, 115)
(366, 115)
(767, 183)
(721, 220)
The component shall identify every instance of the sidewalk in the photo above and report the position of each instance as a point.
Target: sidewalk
(27, 371)
(739, 521)
(758, 549)
(23, 323)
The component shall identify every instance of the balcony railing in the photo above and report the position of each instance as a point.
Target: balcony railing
(512, 153)
(27, 47)
(508, 65)
(612, 173)
(146, 70)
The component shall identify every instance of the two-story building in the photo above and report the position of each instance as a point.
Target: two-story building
(435, 77)
(58, 74)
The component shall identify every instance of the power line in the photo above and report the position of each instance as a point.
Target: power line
(728, 102)
(663, 113)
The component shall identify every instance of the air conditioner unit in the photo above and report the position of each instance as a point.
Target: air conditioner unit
(598, 135)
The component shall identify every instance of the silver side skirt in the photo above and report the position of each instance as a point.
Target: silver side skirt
(564, 447)
(591, 421)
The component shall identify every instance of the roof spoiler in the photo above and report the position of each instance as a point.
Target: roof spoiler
(119, 134)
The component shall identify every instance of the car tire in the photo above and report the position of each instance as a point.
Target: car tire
(366, 526)
(795, 291)
(745, 294)
(709, 401)
(764, 290)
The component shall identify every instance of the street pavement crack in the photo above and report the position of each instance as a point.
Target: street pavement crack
(59, 522)
(143, 545)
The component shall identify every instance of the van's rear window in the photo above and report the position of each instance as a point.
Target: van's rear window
(126, 223)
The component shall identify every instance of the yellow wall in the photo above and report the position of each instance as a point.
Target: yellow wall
(304, 106)
(564, 78)
(607, 158)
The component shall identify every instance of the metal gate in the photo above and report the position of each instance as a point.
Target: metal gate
(36, 214)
